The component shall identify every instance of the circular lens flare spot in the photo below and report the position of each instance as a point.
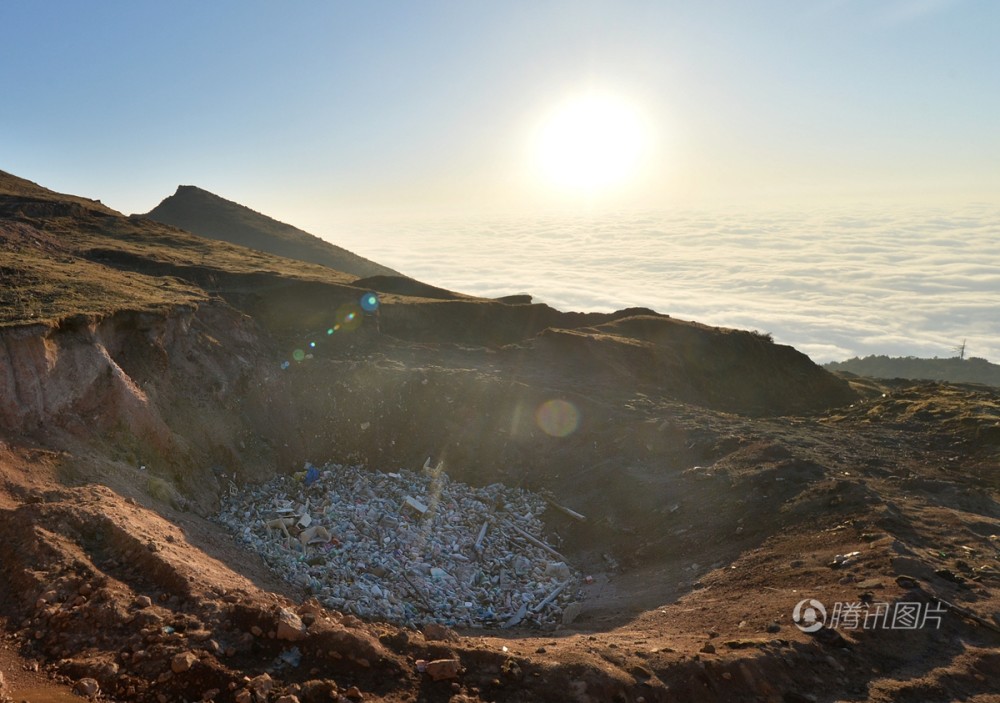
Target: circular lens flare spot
(312, 345)
(298, 355)
(369, 302)
(330, 331)
(348, 317)
(558, 418)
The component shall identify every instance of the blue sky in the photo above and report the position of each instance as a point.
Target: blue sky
(310, 110)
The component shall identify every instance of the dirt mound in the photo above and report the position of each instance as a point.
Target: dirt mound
(726, 369)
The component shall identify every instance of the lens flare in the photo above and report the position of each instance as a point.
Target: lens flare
(558, 418)
(369, 302)
(312, 345)
(348, 317)
(298, 355)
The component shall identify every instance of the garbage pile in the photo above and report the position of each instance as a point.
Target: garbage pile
(407, 547)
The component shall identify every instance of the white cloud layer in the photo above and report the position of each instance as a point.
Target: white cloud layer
(832, 284)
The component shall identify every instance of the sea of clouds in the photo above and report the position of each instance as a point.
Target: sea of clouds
(833, 284)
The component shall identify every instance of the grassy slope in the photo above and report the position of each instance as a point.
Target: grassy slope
(954, 370)
(209, 215)
(62, 255)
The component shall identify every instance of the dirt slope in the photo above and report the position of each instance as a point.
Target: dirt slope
(720, 475)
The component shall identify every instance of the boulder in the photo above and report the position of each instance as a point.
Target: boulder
(443, 669)
(183, 662)
(290, 626)
(88, 688)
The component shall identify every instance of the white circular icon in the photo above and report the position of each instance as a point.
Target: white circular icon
(809, 615)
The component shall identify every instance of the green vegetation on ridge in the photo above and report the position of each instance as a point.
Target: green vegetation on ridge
(953, 370)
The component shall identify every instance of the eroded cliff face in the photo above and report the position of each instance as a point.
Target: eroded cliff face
(52, 373)
(183, 396)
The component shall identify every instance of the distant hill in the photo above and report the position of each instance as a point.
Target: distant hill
(955, 369)
(208, 215)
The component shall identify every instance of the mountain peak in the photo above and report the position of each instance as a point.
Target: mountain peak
(209, 215)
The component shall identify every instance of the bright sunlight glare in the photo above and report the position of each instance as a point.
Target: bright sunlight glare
(590, 145)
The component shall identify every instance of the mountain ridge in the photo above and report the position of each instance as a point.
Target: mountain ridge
(953, 370)
(209, 215)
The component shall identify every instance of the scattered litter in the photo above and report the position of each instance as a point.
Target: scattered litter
(312, 475)
(516, 618)
(842, 559)
(407, 547)
(415, 506)
(563, 509)
(292, 657)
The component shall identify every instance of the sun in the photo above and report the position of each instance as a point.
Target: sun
(590, 145)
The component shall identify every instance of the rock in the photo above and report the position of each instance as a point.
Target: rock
(830, 637)
(311, 607)
(909, 566)
(949, 575)
(571, 612)
(354, 693)
(88, 688)
(143, 602)
(557, 570)
(443, 669)
(708, 648)
(262, 684)
(183, 662)
(288, 699)
(434, 632)
(290, 626)
(743, 643)
(243, 696)
(640, 672)
(774, 627)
